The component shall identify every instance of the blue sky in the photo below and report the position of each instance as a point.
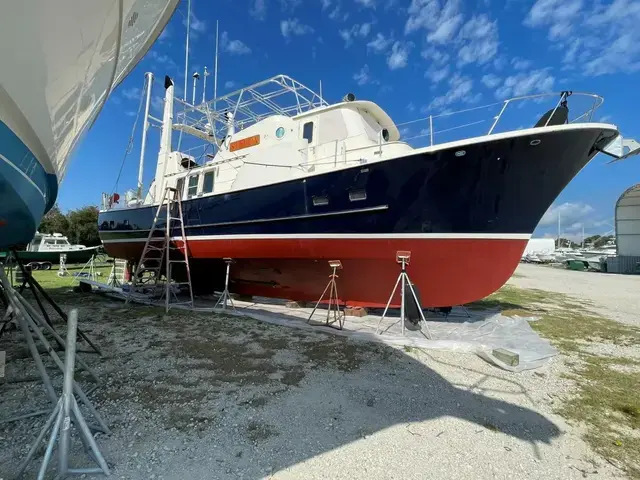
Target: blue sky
(412, 57)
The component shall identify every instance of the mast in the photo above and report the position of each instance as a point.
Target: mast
(186, 53)
(196, 76)
(558, 228)
(215, 89)
(145, 127)
(165, 140)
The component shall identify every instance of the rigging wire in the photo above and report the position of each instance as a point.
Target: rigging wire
(131, 137)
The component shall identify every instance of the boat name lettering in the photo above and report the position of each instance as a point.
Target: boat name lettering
(245, 143)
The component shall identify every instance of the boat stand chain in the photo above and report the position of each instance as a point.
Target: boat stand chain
(36, 290)
(402, 257)
(60, 421)
(225, 294)
(159, 259)
(334, 301)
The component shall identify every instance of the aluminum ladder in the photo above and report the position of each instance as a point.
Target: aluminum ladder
(117, 273)
(157, 255)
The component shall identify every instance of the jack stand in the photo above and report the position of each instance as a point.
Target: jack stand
(338, 316)
(226, 295)
(402, 258)
(62, 269)
(91, 266)
(61, 419)
(36, 289)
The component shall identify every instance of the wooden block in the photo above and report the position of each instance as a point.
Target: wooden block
(510, 358)
(355, 312)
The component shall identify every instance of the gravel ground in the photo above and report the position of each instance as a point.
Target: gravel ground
(200, 396)
(613, 296)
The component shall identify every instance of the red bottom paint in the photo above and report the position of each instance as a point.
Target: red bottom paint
(447, 272)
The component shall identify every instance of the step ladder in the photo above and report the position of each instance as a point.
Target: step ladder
(157, 258)
(117, 275)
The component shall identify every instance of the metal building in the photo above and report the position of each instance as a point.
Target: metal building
(628, 222)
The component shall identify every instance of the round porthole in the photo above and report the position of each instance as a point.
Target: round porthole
(280, 132)
(535, 142)
(460, 153)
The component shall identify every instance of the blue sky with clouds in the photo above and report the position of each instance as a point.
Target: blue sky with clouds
(414, 58)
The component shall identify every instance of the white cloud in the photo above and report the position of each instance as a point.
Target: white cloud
(441, 21)
(434, 55)
(411, 107)
(348, 35)
(520, 63)
(294, 27)
(196, 26)
(480, 40)
(599, 38)
(558, 15)
(399, 55)
(132, 93)
(367, 3)
(539, 81)
(290, 5)
(130, 113)
(491, 81)
(258, 9)
(570, 214)
(338, 15)
(229, 84)
(436, 75)
(325, 4)
(234, 47)
(165, 35)
(363, 76)
(460, 88)
(157, 103)
(380, 43)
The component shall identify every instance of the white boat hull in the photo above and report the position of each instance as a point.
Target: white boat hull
(60, 62)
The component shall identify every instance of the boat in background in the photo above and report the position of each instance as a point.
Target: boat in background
(48, 248)
(295, 183)
(59, 62)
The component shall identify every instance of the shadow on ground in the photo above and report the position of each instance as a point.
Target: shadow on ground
(212, 395)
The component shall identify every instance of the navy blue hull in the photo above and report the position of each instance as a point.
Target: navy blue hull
(502, 186)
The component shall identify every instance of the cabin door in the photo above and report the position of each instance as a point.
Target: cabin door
(309, 134)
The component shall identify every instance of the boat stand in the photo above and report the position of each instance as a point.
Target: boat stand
(334, 302)
(403, 257)
(225, 294)
(62, 267)
(36, 289)
(90, 268)
(60, 420)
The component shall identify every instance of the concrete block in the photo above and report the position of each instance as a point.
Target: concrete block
(355, 312)
(505, 356)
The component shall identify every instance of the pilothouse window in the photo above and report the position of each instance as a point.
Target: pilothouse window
(193, 186)
(207, 183)
(307, 131)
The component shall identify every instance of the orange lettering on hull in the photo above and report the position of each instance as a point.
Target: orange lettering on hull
(245, 143)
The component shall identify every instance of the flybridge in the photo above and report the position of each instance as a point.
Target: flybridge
(279, 95)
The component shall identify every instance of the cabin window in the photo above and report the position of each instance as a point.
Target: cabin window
(60, 242)
(357, 195)
(307, 131)
(193, 186)
(207, 183)
(319, 201)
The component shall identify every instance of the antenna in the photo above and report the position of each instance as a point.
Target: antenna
(204, 84)
(195, 76)
(186, 53)
(215, 71)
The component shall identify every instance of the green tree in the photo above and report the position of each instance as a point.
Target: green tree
(83, 226)
(54, 222)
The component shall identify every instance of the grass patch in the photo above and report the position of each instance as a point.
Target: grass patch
(607, 401)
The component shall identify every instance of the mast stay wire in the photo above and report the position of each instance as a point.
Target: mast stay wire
(132, 136)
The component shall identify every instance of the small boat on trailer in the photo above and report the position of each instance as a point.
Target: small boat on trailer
(293, 185)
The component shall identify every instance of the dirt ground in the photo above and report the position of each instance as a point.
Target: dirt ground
(204, 396)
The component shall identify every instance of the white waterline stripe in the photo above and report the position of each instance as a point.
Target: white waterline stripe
(345, 236)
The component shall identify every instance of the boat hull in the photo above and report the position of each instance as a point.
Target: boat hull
(73, 256)
(71, 55)
(465, 218)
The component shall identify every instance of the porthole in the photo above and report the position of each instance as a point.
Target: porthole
(460, 153)
(535, 142)
(280, 132)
